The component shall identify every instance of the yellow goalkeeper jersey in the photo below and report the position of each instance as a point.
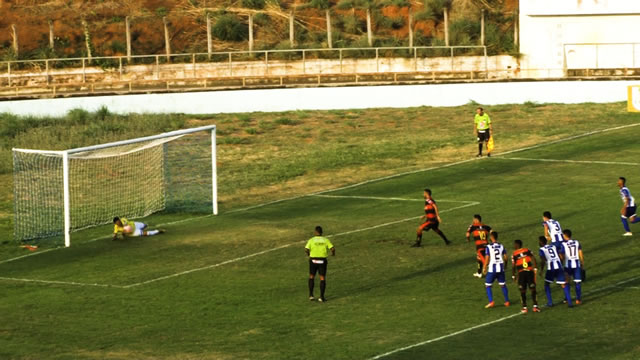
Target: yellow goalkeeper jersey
(120, 229)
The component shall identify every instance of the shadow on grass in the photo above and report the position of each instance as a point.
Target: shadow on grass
(384, 282)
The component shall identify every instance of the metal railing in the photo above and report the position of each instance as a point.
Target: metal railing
(47, 70)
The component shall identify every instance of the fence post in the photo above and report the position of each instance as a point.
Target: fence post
(291, 30)
(84, 73)
(209, 43)
(304, 63)
(193, 62)
(415, 59)
(446, 26)
(127, 24)
(340, 52)
(9, 72)
(377, 62)
(46, 66)
(167, 42)
(51, 38)
(87, 39)
(410, 27)
(250, 32)
(266, 63)
(14, 38)
(120, 66)
(482, 28)
(230, 70)
(157, 67)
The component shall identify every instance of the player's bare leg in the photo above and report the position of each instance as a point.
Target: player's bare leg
(418, 242)
(442, 235)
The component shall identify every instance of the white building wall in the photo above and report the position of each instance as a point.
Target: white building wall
(570, 34)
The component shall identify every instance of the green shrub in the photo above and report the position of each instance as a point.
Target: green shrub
(253, 4)
(78, 116)
(230, 28)
(287, 121)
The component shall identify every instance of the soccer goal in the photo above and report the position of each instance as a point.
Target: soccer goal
(58, 192)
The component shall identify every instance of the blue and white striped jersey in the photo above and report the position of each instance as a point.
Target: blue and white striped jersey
(496, 253)
(624, 193)
(550, 254)
(571, 254)
(555, 230)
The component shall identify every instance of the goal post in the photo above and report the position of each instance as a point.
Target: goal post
(58, 192)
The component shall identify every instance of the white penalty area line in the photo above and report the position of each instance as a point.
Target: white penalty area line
(228, 261)
(618, 284)
(572, 161)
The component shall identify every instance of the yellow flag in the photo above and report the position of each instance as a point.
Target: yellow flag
(490, 144)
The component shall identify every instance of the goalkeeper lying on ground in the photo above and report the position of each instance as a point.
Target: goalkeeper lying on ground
(128, 228)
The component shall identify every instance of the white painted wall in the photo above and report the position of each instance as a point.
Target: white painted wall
(548, 26)
(353, 97)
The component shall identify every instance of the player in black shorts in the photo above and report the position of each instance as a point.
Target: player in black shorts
(525, 264)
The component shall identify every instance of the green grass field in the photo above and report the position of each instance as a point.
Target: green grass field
(234, 286)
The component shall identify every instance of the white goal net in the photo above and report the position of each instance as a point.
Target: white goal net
(57, 192)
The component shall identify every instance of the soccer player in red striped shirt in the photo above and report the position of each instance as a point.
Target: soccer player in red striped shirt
(431, 219)
(480, 234)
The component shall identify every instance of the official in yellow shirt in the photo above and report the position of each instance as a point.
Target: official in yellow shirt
(482, 129)
(317, 249)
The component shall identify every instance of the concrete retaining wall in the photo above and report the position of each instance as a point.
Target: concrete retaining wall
(353, 97)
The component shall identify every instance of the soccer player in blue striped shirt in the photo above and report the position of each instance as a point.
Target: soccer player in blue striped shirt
(495, 259)
(573, 262)
(550, 256)
(552, 229)
(628, 210)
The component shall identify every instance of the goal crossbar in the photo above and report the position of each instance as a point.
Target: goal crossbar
(65, 155)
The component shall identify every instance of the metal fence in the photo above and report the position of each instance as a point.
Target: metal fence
(262, 63)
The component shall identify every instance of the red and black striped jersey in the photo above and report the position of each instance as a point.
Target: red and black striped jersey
(480, 233)
(522, 260)
(430, 210)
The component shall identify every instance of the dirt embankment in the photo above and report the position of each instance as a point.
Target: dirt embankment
(105, 25)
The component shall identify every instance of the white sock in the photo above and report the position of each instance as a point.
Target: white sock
(152, 232)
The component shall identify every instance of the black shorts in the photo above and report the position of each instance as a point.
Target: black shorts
(428, 225)
(484, 136)
(526, 279)
(318, 265)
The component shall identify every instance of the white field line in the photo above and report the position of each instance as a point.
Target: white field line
(444, 336)
(27, 255)
(384, 198)
(489, 323)
(573, 161)
(569, 138)
(231, 260)
(54, 282)
(381, 179)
